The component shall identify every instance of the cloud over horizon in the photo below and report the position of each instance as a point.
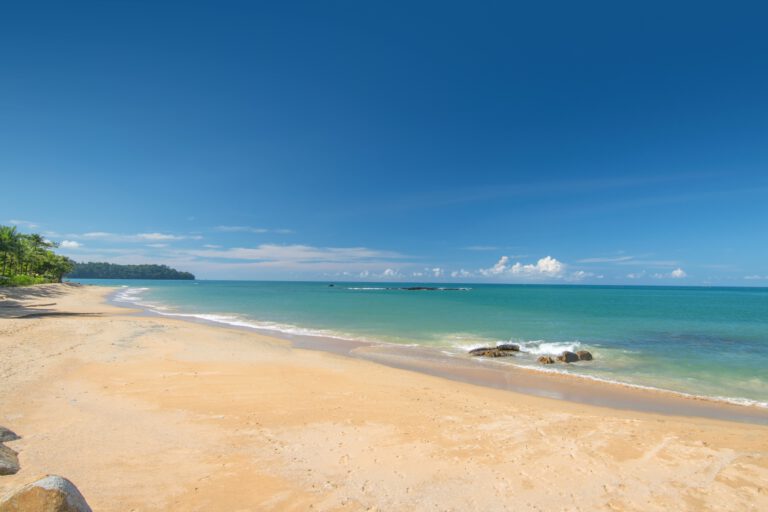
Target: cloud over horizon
(546, 267)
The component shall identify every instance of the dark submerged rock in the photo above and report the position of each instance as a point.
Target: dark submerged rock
(584, 355)
(568, 357)
(509, 346)
(51, 493)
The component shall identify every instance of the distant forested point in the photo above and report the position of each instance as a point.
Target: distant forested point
(98, 270)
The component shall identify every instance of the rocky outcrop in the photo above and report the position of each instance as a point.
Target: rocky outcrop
(584, 355)
(568, 357)
(9, 462)
(48, 494)
(505, 350)
(546, 360)
(7, 435)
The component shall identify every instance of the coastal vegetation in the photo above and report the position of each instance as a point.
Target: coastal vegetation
(101, 270)
(28, 259)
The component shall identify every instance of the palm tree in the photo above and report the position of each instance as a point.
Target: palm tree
(9, 243)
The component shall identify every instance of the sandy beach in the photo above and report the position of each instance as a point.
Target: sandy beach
(148, 413)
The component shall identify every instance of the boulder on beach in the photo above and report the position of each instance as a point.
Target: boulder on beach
(568, 357)
(546, 360)
(51, 493)
(7, 435)
(499, 351)
(9, 462)
(584, 355)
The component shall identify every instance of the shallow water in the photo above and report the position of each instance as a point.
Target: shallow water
(709, 342)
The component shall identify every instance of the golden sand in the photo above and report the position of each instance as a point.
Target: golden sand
(153, 414)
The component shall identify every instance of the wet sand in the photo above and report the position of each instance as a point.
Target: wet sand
(152, 413)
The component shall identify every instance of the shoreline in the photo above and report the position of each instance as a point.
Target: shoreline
(152, 413)
(540, 382)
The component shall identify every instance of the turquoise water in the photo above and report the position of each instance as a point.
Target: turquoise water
(702, 341)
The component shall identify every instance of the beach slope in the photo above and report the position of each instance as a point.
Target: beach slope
(154, 414)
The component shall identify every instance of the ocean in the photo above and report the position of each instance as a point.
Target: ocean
(709, 342)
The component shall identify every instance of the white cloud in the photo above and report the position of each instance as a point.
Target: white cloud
(251, 229)
(166, 236)
(650, 263)
(23, 223)
(157, 246)
(70, 244)
(636, 275)
(547, 267)
(297, 253)
(139, 237)
(274, 258)
(462, 274)
(499, 268)
(212, 246)
(755, 277)
(391, 273)
(96, 234)
(678, 273)
(617, 259)
(437, 271)
(580, 275)
(240, 229)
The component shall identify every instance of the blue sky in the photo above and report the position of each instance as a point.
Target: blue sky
(592, 142)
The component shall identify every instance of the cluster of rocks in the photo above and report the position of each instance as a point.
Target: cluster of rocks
(567, 357)
(510, 349)
(51, 493)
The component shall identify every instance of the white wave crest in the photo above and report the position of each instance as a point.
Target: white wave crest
(549, 348)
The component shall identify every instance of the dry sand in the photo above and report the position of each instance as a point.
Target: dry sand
(151, 414)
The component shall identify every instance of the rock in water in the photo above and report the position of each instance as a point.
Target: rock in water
(509, 346)
(9, 462)
(568, 357)
(584, 355)
(500, 351)
(546, 360)
(7, 435)
(49, 494)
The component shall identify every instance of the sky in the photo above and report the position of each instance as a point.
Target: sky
(542, 142)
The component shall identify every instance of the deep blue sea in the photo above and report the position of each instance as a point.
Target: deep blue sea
(709, 342)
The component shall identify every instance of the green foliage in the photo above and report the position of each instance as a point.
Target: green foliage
(99, 270)
(27, 259)
(24, 280)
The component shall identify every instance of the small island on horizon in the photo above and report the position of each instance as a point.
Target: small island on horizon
(103, 270)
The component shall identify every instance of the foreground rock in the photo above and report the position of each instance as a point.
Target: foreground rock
(505, 350)
(568, 357)
(49, 494)
(546, 360)
(584, 355)
(7, 435)
(9, 462)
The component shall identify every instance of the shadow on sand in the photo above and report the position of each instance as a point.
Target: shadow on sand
(32, 301)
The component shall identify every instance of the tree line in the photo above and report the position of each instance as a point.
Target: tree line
(28, 259)
(99, 270)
